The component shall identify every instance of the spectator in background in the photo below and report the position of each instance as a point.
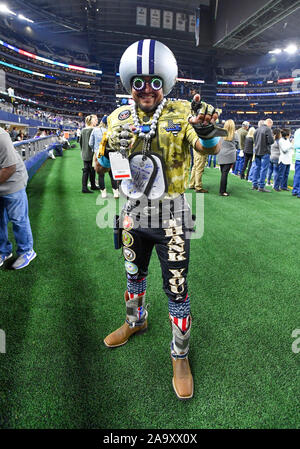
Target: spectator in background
(263, 139)
(251, 173)
(197, 172)
(274, 160)
(212, 158)
(14, 205)
(78, 134)
(248, 153)
(20, 136)
(296, 185)
(13, 134)
(241, 133)
(94, 142)
(198, 163)
(285, 159)
(87, 154)
(227, 155)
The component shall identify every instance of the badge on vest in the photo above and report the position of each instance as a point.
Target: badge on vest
(124, 115)
(173, 128)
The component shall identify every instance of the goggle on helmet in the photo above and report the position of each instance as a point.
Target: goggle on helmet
(148, 57)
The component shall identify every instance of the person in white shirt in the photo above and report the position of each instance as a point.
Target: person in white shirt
(285, 158)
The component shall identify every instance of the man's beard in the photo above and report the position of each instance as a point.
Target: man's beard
(148, 108)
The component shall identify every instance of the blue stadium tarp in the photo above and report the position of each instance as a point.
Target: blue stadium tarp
(35, 162)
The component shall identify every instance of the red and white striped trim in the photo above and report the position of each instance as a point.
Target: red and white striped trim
(181, 323)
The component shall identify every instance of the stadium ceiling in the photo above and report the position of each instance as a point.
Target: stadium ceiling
(276, 22)
(107, 27)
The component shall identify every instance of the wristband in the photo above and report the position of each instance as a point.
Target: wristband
(104, 162)
(210, 142)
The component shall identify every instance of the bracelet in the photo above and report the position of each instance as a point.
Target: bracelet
(210, 142)
(104, 162)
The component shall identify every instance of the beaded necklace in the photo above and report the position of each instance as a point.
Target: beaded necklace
(146, 132)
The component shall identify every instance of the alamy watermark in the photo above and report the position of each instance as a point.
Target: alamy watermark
(156, 213)
(296, 343)
(2, 342)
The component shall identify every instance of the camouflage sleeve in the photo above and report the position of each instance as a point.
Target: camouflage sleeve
(191, 135)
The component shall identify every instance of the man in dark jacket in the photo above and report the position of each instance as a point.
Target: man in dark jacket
(263, 139)
(87, 154)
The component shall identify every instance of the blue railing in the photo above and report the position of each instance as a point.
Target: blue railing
(29, 148)
(35, 152)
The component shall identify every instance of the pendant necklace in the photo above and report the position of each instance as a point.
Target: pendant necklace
(147, 132)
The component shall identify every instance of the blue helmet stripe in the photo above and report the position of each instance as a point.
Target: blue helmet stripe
(139, 58)
(151, 56)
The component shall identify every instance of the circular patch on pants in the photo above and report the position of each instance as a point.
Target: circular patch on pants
(127, 238)
(128, 223)
(129, 254)
(131, 268)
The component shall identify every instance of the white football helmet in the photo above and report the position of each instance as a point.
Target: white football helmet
(148, 57)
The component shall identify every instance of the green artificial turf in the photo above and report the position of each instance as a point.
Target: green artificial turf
(244, 286)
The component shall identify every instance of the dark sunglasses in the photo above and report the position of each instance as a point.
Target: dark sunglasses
(139, 83)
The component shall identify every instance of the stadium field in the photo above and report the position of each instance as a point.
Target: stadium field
(244, 286)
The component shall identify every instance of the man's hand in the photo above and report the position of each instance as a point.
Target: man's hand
(204, 123)
(205, 114)
(121, 139)
(6, 173)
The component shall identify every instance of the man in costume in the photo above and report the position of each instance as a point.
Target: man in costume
(156, 135)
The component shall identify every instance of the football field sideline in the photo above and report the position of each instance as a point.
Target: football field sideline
(244, 284)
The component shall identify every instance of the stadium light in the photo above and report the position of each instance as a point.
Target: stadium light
(4, 9)
(187, 80)
(277, 51)
(21, 17)
(291, 49)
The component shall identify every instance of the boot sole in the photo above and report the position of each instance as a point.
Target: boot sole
(142, 331)
(182, 398)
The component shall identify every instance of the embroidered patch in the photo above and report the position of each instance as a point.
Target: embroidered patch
(171, 110)
(129, 254)
(173, 128)
(124, 115)
(127, 239)
(128, 222)
(131, 268)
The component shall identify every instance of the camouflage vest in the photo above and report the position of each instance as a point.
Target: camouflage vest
(173, 139)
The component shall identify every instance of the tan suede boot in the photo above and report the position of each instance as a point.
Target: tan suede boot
(120, 336)
(182, 381)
